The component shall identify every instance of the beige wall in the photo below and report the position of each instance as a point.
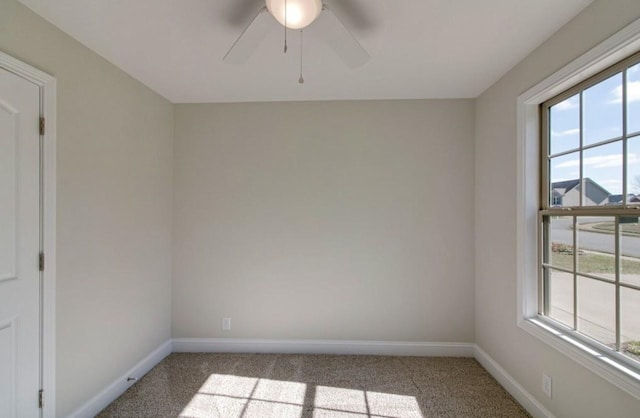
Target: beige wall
(328, 220)
(345, 220)
(577, 392)
(114, 208)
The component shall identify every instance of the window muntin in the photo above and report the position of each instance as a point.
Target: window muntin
(633, 168)
(590, 209)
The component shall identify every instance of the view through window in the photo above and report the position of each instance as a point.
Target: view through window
(590, 211)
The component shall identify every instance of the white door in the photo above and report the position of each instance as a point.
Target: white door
(19, 246)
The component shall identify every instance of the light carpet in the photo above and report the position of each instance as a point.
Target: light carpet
(198, 385)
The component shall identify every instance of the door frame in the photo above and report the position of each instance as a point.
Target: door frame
(47, 85)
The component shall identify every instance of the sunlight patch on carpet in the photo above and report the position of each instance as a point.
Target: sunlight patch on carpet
(224, 395)
(340, 402)
(237, 396)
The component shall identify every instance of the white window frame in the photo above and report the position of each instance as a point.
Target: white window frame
(614, 49)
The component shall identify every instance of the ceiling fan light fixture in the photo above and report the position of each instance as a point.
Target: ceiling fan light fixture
(300, 13)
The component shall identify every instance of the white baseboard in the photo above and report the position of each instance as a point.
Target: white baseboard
(339, 347)
(528, 402)
(117, 388)
(386, 348)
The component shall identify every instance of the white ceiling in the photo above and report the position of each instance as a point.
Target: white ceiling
(419, 48)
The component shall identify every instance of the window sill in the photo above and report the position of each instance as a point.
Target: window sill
(595, 360)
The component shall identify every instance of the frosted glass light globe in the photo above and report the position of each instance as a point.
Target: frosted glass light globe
(300, 13)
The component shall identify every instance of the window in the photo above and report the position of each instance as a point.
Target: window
(589, 215)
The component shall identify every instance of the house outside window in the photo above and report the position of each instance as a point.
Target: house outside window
(589, 217)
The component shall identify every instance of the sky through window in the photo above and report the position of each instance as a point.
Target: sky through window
(602, 121)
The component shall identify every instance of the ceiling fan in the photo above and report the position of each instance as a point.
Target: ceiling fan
(297, 15)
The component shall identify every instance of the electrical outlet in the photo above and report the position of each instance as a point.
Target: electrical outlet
(546, 385)
(226, 324)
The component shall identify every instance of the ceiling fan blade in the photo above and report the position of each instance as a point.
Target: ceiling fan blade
(250, 38)
(340, 39)
(240, 11)
(354, 12)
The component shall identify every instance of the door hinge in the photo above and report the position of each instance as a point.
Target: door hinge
(41, 398)
(41, 262)
(41, 125)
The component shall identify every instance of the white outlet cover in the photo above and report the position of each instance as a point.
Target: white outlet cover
(546, 385)
(226, 324)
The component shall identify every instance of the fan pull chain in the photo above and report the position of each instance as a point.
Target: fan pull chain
(301, 79)
(285, 26)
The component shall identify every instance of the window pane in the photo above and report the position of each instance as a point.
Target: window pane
(630, 250)
(602, 117)
(561, 251)
(564, 125)
(565, 180)
(633, 99)
(630, 322)
(596, 310)
(597, 246)
(561, 296)
(633, 171)
(602, 173)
